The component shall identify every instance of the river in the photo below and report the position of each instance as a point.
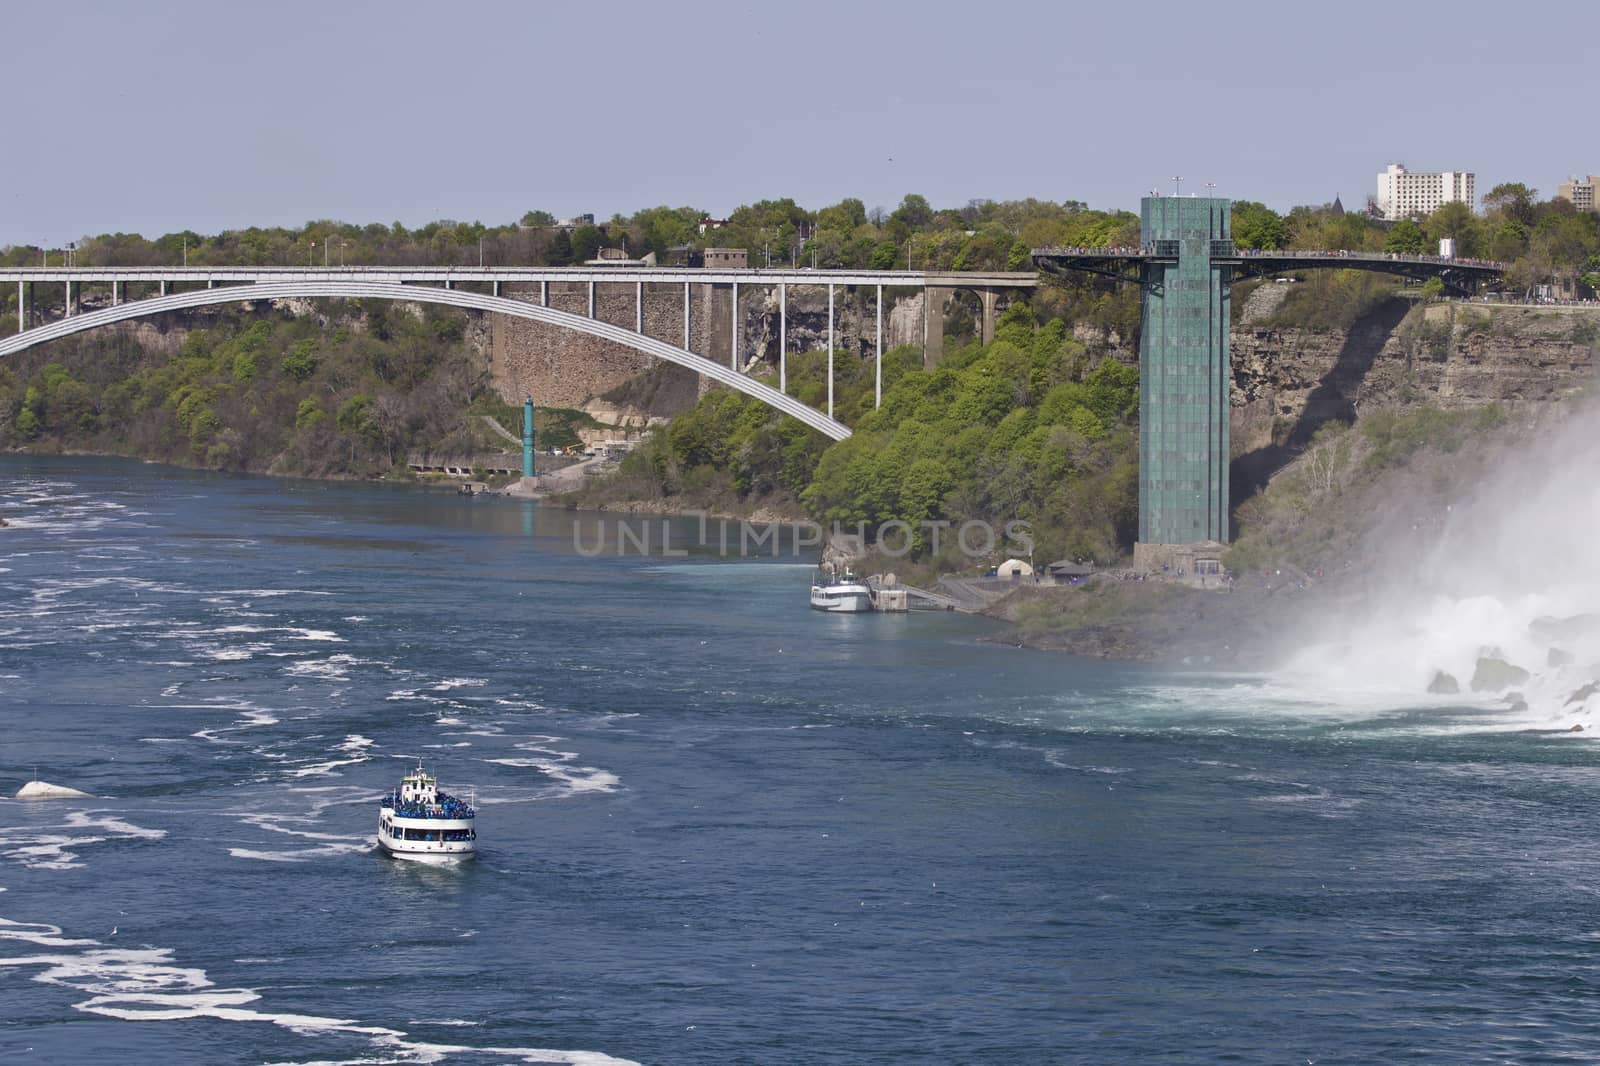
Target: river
(716, 826)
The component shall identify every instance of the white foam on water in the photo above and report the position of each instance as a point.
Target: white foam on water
(354, 746)
(48, 848)
(458, 682)
(333, 668)
(561, 768)
(148, 985)
(326, 636)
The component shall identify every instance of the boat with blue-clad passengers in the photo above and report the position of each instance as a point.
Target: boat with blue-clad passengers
(421, 821)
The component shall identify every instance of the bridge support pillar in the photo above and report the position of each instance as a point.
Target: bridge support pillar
(544, 294)
(830, 351)
(638, 307)
(733, 335)
(936, 301)
(527, 437)
(1184, 373)
(783, 337)
(163, 286)
(69, 299)
(877, 359)
(115, 292)
(987, 298)
(686, 300)
(591, 299)
(22, 306)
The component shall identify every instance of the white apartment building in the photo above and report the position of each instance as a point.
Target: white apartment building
(1402, 194)
(1579, 193)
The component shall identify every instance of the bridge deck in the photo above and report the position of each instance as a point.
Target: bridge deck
(1287, 260)
(439, 275)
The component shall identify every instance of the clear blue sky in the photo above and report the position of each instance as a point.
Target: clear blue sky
(154, 118)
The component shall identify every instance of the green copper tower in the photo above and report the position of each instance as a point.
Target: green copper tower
(1184, 371)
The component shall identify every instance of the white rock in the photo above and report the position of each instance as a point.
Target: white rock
(38, 790)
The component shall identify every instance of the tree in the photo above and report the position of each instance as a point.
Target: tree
(1455, 220)
(1406, 238)
(1512, 199)
(561, 249)
(537, 218)
(1257, 226)
(586, 243)
(913, 212)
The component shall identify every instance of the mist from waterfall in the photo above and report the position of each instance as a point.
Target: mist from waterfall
(1493, 599)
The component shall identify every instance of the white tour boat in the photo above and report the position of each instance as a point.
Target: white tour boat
(421, 821)
(840, 595)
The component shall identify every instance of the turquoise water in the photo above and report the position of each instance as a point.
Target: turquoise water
(716, 826)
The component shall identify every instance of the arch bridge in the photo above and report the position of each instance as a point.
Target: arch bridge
(482, 289)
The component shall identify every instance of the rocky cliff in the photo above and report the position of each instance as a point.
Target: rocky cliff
(1289, 382)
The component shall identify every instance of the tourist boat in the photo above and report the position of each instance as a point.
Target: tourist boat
(421, 821)
(840, 595)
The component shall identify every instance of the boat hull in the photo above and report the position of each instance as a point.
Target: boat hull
(437, 857)
(426, 839)
(841, 599)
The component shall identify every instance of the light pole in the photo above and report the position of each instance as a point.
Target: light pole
(480, 253)
(1177, 185)
(1211, 189)
(324, 255)
(311, 248)
(185, 249)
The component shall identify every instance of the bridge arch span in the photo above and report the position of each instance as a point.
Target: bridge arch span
(472, 301)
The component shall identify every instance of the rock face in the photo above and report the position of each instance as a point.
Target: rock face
(562, 368)
(1287, 383)
(34, 790)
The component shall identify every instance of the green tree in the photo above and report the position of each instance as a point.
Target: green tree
(1406, 238)
(301, 360)
(308, 414)
(1257, 226)
(1512, 199)
(560, 253)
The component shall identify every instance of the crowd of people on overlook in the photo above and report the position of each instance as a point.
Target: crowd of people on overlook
(1406, 257)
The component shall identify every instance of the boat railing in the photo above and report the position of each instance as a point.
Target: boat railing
(448, 808)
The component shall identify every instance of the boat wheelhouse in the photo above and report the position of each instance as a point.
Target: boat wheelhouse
(421, 821)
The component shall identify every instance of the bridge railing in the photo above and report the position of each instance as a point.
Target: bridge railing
(1165, 250)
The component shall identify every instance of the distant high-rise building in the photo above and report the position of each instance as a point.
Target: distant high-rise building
(1578, 193)
(1402, 194)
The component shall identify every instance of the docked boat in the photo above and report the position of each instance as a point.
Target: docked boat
(421, 821)
(840, 594)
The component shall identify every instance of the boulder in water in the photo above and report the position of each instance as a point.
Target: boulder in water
(1494, 674)
(1578, 728)
(1443, 684)
(1552, 628)
(41, 790)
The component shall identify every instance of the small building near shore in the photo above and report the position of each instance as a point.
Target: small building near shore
(1014, 568)
(727, 258)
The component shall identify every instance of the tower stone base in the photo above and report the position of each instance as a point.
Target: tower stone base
(1202, 559)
